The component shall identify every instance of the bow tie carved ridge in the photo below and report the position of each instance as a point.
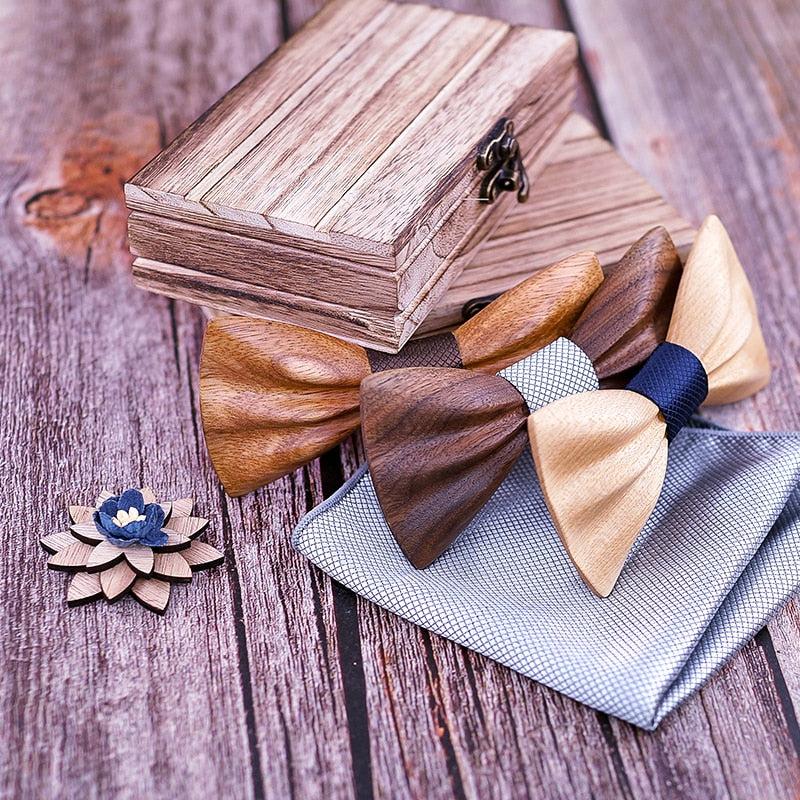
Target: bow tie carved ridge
(601, 457)
(275, 396)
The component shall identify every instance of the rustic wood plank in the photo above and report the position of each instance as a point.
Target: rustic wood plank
(111, 701)
(713, 123)
(437, 727)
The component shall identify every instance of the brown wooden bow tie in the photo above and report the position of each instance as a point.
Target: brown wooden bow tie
(439, 442)
(274, 396)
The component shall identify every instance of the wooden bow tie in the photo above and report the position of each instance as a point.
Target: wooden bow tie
(439, 442)
(274, 396)
(601, 456)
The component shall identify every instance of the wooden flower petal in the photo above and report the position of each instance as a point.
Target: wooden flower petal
(175, 541)
(182, 507)
(116, 580)
(84, 588)
(167, 508)
(171, 567)
(102, 497)
(202, 556)
(103, 556)
(186, 526)
(147, 495)
(80, 514)
(56, 542)
(73, 557)
(152, 593)
(87, 532)
(140, 558)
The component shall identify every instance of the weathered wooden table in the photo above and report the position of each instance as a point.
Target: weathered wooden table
(264, 679)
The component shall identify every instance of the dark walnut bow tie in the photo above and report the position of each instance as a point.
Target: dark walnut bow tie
(440, 442)
(275, 396)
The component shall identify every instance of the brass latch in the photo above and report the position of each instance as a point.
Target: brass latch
(499, 154)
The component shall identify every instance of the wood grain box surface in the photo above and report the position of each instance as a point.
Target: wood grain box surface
(336, 186)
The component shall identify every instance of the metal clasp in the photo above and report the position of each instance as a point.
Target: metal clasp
(499, 156)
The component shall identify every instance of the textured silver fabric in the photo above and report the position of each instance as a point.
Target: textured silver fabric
(719, 554)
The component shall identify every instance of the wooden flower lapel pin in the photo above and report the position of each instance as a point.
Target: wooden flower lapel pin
(130, 543)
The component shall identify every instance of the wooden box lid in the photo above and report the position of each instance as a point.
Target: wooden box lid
(339, 178)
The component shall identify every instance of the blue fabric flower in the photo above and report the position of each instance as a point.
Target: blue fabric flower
(127, 519)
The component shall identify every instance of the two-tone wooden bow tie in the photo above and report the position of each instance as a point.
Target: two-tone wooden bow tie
(439, 442)
(274, 396)
(601, 457)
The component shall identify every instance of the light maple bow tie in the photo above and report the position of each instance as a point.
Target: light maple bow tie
(601, 456)
(439, 442)
(274, 396)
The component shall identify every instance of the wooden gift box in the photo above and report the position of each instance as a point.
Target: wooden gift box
(339, 185)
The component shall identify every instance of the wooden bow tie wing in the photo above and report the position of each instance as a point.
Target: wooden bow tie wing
(273, 397)
(439, 442)
(530, 315)
(715, 317)
(601, 458)
(628, 316)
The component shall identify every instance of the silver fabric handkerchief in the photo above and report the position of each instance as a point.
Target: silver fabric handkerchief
(719, 554)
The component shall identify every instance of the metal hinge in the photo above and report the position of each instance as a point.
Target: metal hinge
(500, 158)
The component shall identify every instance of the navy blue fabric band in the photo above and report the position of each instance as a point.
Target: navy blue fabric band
(675, 380)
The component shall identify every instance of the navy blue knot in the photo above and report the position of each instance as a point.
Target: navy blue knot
(675, 380)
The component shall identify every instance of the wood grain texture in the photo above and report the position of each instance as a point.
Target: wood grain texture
(438, 442)
(274, 397)
(530, 315)
(353, 92)
(314, 692)
(89, 703)
(715, 317)
(371, 156)
(608, 207)
(600, 500)
(601, 461)
(624, 323)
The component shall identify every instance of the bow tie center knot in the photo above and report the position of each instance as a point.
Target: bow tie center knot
(676, 381)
